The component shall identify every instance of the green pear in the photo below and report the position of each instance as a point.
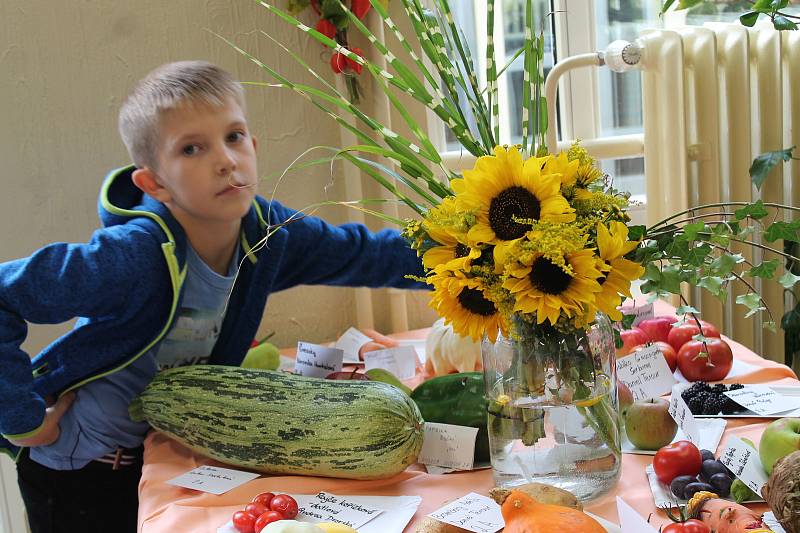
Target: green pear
(265, 356)
(383, 375)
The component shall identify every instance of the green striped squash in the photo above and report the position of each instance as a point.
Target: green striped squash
(280, 423)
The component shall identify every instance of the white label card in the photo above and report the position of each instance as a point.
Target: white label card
(641, 312)
(763, 400)
(400, 361)
(212, 479)
(472, 512)
(325, 507)
(680, 412)
(448, 446)
(317, 361)
(350, 343)
(630, 521)
(646, 373)
(743, 461)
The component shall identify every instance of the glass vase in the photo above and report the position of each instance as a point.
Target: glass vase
(553, 414)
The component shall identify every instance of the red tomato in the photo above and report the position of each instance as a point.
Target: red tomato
(698, 363)
(267, 518)
(284, 504)
(666, 350)
(680, 458)
(657, 328)
(690, 526)
(264, 498)
(630, 338)
(244, 522)
(682, 334)
(256, 509)
(326, 28)
(338, 62)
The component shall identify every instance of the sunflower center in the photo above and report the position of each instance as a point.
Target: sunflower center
(548, 277)
(461, 250)
(473, 301)
(514, 202)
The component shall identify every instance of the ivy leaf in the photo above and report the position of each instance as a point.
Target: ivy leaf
(769, 325)
(788, 231)
(788, 280)
(755, 210)
(765, 162)
(679, 247)
(750, 300)
(749, 19)
(671, 280)
(690, 231)
(765, 270)
(778, 4)
(712, 284)
(782, 23)
(684, 309)
(652, 272)
(637, 233)
(723, 265)
(697, 255)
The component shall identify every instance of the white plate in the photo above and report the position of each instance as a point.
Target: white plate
(786, 390)
(711, 431)
(662, 496)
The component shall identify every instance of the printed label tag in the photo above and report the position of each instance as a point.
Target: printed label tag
(646, 373)
(472, 512)
(763, 400)
(400, 361)
(630, 521)
(641, 312)
(212, 479)
(350, 343)
(317, 361)
(743, 461)
(448, 446)
(679, 411)
(325, 507)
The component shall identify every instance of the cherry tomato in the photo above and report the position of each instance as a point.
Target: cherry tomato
(264, 498)
(682, 334)
(244, 522)
(284, 504)
(256, 508)
(709, 362)
(690, 526)
(267, 518)
(326, 28)
(338, 62)
(680, 458)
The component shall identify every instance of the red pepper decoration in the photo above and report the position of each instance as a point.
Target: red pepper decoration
(326, 28)
(360, 8)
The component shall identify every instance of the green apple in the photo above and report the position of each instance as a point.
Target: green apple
(649, 425)
(265, 355)
(779, 439)
(383, 375)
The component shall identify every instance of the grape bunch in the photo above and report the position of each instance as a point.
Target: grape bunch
(705, 399)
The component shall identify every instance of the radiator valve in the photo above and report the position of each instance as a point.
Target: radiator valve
(622, 56)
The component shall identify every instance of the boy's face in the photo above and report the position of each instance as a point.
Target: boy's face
(206, 163)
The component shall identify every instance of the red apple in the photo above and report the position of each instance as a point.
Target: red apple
(630, 338)
(684, 333)
(624, 398)
(657, 328)
(666, 350)
(649, 425)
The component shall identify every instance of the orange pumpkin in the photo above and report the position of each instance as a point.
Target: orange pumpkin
(523, 514)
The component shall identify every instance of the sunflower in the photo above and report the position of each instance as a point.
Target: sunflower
(505, 192)
(549, 289)
(462, 303)
(445, 225)
(613, 244)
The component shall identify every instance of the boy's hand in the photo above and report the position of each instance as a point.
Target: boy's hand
(50, 431)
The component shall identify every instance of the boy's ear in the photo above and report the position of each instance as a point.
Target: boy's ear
(148, 182)
(255, 142)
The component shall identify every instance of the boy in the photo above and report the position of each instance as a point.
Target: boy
(178, 275)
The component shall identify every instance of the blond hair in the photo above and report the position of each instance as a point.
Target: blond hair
(168, 87)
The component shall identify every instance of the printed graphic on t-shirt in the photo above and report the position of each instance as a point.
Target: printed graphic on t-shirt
(191, 339)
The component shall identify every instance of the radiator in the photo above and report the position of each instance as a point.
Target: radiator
(714, 97)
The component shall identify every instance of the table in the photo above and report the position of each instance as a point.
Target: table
(166, 509)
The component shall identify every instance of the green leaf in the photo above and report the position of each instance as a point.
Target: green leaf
(723, 265)
(750, 300)
(686, 4)
(671, 280)
(788, 280)
(778, 4)
(684, 309)
(765, 270)
(712, 284)
(697, 255)
(782, 23)
(652, 272)
(788, 231)
(764, 163)
(769, 325)
(755, 210)
(690, 231)
(636, 233)
(749, 19)
(666, 5)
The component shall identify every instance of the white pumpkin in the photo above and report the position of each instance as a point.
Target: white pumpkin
(446, 351)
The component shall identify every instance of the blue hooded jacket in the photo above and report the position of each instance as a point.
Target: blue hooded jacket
(125, 286)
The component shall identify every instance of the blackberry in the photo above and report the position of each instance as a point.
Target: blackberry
(735, 386)
(731, 407)
(713, 405)
(719, 388)
(695, 405)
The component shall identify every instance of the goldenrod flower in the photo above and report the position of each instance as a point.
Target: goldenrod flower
(548, 289)
(505, 193)
(462, 303)
(445, 225)
(612, 245)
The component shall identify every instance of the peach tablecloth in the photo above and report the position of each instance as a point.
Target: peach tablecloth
(167, 509)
